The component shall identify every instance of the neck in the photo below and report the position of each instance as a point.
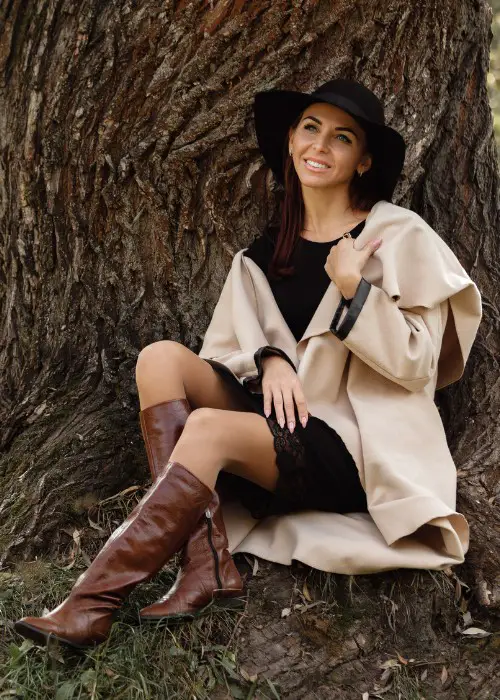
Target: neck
(327, 212)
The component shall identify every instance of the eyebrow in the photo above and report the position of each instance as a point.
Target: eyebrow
(338, 128)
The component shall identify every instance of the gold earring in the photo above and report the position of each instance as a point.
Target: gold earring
(290, 151)
(360, 173)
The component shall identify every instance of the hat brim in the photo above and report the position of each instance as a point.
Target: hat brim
(276, 110)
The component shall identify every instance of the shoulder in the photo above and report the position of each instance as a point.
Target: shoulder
(418, 267)
(390, 214)
(401, 226)
(413, 240)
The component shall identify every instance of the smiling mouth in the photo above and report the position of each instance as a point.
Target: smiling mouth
(316, 169)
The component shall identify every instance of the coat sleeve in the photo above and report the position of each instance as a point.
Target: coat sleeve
(221, 342)
(265, 351)
(401, 344)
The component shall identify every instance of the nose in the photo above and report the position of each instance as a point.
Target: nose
(321, 142)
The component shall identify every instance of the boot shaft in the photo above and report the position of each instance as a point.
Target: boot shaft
(206, 551)
(156, 529)
(161, 427)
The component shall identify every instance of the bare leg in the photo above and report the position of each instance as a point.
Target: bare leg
(169, 370)
(218, 434)
(238, 442)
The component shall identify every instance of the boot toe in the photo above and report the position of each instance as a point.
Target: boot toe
(42, 629)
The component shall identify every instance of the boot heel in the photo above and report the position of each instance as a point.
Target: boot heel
(230, 603)
(207, 577)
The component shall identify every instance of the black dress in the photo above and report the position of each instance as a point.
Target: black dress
(316, 470)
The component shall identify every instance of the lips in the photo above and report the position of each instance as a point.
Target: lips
(316, 160)
(313, 169)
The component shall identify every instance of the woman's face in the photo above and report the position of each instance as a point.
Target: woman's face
(326, 134)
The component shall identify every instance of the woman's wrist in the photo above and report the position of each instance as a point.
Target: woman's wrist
(348, 285)
(271, 357)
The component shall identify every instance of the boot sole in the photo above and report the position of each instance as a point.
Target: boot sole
(44, 638)
(225, 603)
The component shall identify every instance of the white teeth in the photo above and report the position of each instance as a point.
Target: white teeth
(316, 165)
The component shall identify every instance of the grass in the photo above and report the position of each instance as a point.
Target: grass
(193, 661)
(199, 660)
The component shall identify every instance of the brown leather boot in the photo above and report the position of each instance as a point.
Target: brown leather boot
(161, 427)
(207, 576)
(156, 528)
(197, 584)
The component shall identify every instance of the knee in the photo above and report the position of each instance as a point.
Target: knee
(156, 354)
(205, 424)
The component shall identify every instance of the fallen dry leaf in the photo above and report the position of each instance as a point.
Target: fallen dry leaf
(303, 608)
(386, 676)
(467, 617)
(130, 489)
(476, 632)
(71, 564)
(250, 678)
(444, 675)
(97, 527)
(86, 559)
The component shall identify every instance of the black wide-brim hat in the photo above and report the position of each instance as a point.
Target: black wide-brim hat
(276, 110)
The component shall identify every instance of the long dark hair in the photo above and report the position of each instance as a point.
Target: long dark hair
(364, 192)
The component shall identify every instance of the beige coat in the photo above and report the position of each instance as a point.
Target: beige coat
(413, 334)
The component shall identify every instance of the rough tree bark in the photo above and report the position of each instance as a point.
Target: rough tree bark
(129, 177)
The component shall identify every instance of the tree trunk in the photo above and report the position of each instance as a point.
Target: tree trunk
(130, 176)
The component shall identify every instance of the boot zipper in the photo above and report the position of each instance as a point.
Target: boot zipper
(208, 515)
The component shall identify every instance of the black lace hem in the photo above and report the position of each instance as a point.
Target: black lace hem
(302, 484)
(315, 468)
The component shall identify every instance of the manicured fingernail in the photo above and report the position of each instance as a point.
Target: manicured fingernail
(291, 426)
(267, 413)
(282, 422)
(303, 420)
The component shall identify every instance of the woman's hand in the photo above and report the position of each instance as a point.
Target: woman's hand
(281, 384)
(344, 264)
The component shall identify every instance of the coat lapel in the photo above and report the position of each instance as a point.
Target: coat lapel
(322, 317)
(325, 311)
(269, 316)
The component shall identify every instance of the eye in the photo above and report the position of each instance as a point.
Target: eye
(347, 140)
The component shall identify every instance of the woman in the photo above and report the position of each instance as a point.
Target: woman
(312, 396)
